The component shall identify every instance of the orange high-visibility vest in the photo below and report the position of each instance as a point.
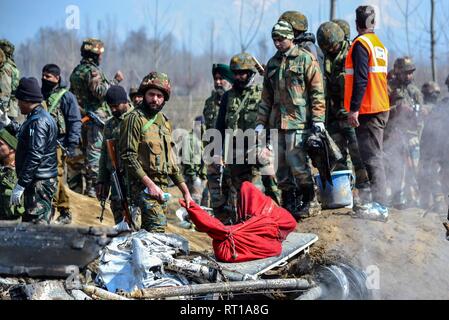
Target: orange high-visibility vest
(375, 99)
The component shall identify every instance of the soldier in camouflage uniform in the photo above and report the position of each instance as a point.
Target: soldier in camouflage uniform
(89, 84)
(238, 111)
(344, 25)
(403, 133)
(117, 100)
(193, 166)
(431, 93)
(293, 102)
(303, 39)
(9, 80)
(218, 177)
(63, 107)
(147, 154)
(8, 177)
(332, 41)
(135, 97)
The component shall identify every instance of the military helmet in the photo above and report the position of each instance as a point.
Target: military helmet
(243, 61)
(430, 87)
(92, 45)
(133, 91)
(2, 57)
(329, 35)
(156, 80)
(7, 47)
(344, 25)
(404, 64)
(298, 21)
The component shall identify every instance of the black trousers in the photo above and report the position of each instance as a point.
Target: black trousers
(370, 136)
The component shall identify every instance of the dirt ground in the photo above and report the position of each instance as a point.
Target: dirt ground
(405, 258)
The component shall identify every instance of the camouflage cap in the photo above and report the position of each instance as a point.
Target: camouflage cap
(344, 25)
(156, 80)
(430, 87)
(297, 20)
(404, 64)
(243, 61)
(8, 138)
(283, 29)
(329, 35)
(92, 45)
(7, 47)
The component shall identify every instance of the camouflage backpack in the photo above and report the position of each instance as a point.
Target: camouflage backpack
(53, 106)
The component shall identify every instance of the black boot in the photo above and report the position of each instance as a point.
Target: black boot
(310, 206)
(65, 217)
(289, 200)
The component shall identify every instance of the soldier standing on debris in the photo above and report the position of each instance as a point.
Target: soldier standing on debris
(36, 161)
(238, 111)
(331, 39)
(293, 102)
(147, 155)
(218, 175)
(193, 166)
(8, 177)
(135, 97)
(63, 107)
(89, 84)
(120, 107)
(402, 135)
(303, 39)
(9, 80)
(366, 100)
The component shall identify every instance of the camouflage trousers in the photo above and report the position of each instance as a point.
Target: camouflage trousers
(346, 140)
(153, 213)
(198, 190)
(94, 141)
(61, 199)
(294, 170)
(38, 199)
(218, 184)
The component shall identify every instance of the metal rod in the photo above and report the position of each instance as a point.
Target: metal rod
(222, 287)
(312, 294)
(91, 290)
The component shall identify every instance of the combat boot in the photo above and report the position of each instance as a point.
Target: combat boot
(310, 206)
(90, 190)
(289, 200)
(65, 217)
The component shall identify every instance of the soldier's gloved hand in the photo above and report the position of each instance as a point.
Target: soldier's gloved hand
(318, 127)
(16, 195)
(4, 119)
(260, 128)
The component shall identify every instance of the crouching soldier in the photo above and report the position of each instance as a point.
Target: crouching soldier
(146, 150)
(36, 162)
(8, 177)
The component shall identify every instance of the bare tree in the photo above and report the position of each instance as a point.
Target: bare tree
(432, 39)
(333, 11)
(257, 12)
(406, 13)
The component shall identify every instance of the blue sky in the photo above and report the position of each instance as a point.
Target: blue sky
(20, 19)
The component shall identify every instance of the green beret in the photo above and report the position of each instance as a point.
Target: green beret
(224, 70)
(8, 138)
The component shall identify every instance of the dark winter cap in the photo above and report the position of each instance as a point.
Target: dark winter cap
(52, 69)
(29, 90)
(116, 95)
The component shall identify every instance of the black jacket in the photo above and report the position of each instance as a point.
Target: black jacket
(36, 148)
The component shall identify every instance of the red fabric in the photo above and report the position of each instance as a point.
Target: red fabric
(260, 236)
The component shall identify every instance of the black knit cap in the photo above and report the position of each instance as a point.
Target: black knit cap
(29, 90)
(365, 17)
(116, 95)
(52, 69)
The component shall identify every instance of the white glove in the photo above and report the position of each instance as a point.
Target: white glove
(4, 119)
(16, 195)
(318, 127)
(260, 128)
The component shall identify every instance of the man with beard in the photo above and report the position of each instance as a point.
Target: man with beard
(63, 107)
(8, 177)
(217, 175)
(117, 100)
(238, 113)
(147, 155)
(89, 84)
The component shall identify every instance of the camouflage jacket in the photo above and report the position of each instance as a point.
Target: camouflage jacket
(146, 149)
(111, 131)
(293, 92)
(211, 108)
(334, 77)
(9, 81)
(8, 180)
(242, 107)
(193, 165)
(89, 90)
(407, 107)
